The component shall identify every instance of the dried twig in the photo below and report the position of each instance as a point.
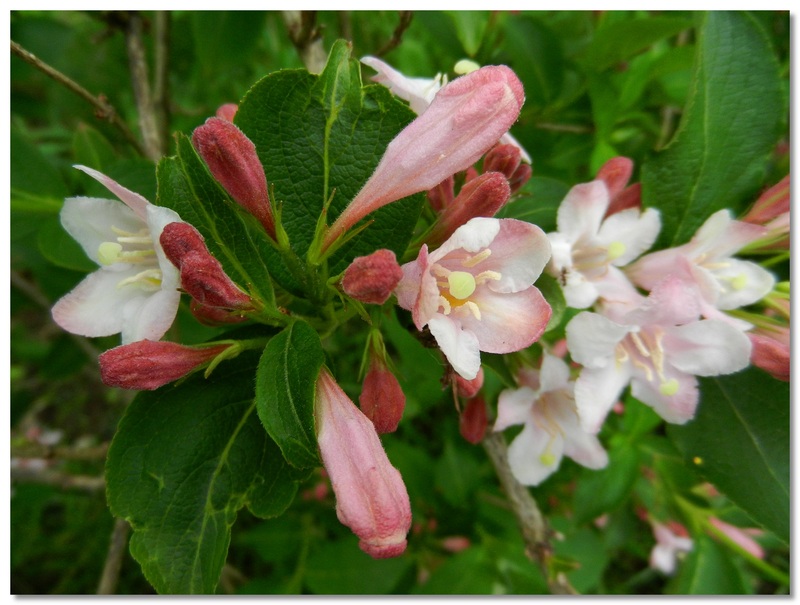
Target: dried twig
(161, 74)
(116, 552)
(397, 34)
(103, 109)
(58, 479)
(307, 38)
(535, 531)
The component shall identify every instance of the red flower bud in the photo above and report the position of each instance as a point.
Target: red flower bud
(148, 364)
(771, 204)
(472, 423)
(502, 158)
(227, 111)
(372, 278)
(482, 196)
(441, 196)
(214, 316)
(202, 275)
(468, 388)
(382, 400)
(232, 159)
(616, 173)
(772, 354)
(630, 197)
(521, 176)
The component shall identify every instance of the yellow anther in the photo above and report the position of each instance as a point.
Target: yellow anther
(108, 252)
(485, 276)
(615, 250)
(473, 308)
(462, 284)
(471, 261)
(739, 282)
(669, 387)
(547, 459)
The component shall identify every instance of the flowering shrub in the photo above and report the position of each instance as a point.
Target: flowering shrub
(331, 240)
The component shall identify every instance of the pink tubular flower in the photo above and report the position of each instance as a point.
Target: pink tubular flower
(371, 498)
(465, 120)
(372, 278)
(232, 159)
(772, 350)
(135, 290)
(202, 275)
(473, 421)
(482, 196)
(146, 364)
(545, 404)
(588, 247)
(468, 388)
(771, 209)
(740, 536)
(669, 547)
(382, 399)
(475, 292)
(658, 347)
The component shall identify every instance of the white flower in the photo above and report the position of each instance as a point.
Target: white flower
(669, 546)
(135, 290)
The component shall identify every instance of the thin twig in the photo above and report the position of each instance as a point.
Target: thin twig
(307, 38)
(148, 125)
(116, 552)
(58, 479)
(535, 532)
(563, 127)
(161, 73)
(49, 452)
(103, 109)
(397, 34)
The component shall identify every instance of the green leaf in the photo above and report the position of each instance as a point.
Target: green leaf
(31, 171)
(730, 125)
(285, 392)
(554, 295)
(469, 572)
(184, 460)
(470, 28)
(92, 149)
(708, 569)
(539, 207)
(224, 39)
(232, 235)
(542, 70)
(59, 248)
(323, 136)
(603, 491)
(623, 39)
(739, 440)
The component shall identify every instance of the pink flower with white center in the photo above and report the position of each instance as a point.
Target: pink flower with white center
(135, 291)
(371, 498)
(669, 547)
(545, 404)
(588, 246)
(464, 121)
(475, 291)
(707, 260)
(659, 348)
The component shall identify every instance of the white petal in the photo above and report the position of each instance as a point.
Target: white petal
(459, 346)
(89, 221)
(677, 408)
(579, 292)
(514, 407)
(582, 211)
(149, 317)
(525, 455)
(419, 92)
(554, 374)
(743, 283)
(707, 348)
(636, 231)
(592, 339)
(159, 217)
(596, 391)
(473, 236)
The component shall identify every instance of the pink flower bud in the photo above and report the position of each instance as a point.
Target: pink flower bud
(473, 421)
(382, 400)
(521, 176)
(772, 354)
(227, 111)
(466, 118)
(482, 196)
(771, 204)
(502, 158)
(456, 544)
(616, 173)
(214, 316)
(202, 275)
(739, 536)
(441, 196)
(371, 498)
(372, 278)
(630, 197)
(148, 364)
(232, 159)
(468, 388)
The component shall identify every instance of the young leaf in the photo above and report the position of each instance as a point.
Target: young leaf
(708, 569)
(718, 155)
(285, 392)
(184, 460)
(739, 441)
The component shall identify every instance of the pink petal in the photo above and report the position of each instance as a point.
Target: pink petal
(133, 200)
(582, 211)
(592, 339)
(707, 348)
(677, 408)
(596, 391)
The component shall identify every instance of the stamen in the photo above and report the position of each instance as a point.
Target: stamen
(150, 279)
(476, 312)
(485, 276)
(639, 344)
(445, 304)
(471, 261)
(440, 271)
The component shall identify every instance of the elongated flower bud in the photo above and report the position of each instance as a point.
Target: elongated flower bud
(227, 111)
(232, 159)
(146, 365)
(482, 196)
(502, 158)
(468, 388)
(382, 400)
(616, 173)
(521, 175)
(371, 498)
(772, 354)
(202, 275)
(441, 196)
(372, 278)
(215, 316)
(771, 204)
(466, 118)
(473, 422)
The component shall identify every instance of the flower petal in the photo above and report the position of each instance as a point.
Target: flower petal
(419, 92)
(636, 231)
(149, 317)
(134, 201)
(514, 407)
(520, 252)
(592, 338)
(596, 391)
(743, 283)
(677, 408)
(582, 210)
(554, 374)
(526, 452)
(90, 220)
(707, 348)
(458, 345)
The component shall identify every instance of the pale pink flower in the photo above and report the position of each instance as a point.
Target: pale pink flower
(465, 120)
(668, 548)
(588, 246)
(371, 498)
(658, 348)
(742, 537)
(135, 291)
(545, 404)
(707, 260)
(475, 291)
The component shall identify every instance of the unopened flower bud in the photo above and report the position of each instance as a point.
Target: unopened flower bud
(473, 422)
(147, 364)
(215, 316)
(630, 197)
(227, 111)
(232, 159)
(372, 278)
(468, 388)
(382, 400)
(482, 196)
(771, 353)
(771, 204)
(202, 275)
(521, 176)
(502, 158)
(371, 498)
(441, 196)
(615, 173)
